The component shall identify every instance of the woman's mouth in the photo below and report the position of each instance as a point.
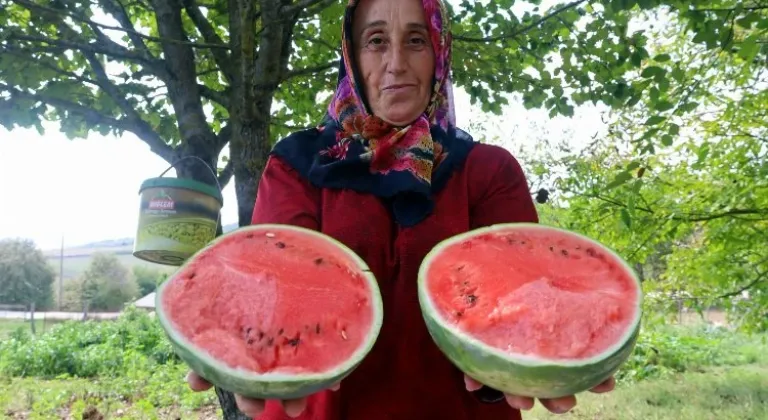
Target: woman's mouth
(398, 87)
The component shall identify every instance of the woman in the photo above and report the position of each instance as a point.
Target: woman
(418, 181)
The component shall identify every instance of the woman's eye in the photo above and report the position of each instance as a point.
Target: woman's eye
(418, 41)
(376, 41)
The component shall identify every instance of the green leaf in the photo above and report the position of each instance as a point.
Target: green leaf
(663, 105)
(655, 120)
(620, 179)
(749, 47)
(626, 218)
(666, 140)
(662, 58)
(652, 71)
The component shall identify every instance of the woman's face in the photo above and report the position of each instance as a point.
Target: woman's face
(395, 58)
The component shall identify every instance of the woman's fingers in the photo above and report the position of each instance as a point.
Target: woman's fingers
(197, 383)
(250, 407)
(518, 402)
(606, 386)
(559, 405)
(293, 408)
(471, 384)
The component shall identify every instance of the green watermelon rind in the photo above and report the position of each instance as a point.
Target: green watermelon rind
(520, 374)
(272, 385)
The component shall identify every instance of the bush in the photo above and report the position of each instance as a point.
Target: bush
(135, 341)
(665, 350)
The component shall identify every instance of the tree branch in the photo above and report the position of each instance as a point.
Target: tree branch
(129, 31)
(221, 56)
(522, 30)
(226, 174)
(220, 97)
(300, 5)
(94, 117)
(116, 9)
(308, 71)
(761, 277)
(687, 217)
(147, 133)
(97, 48)
(224, 136)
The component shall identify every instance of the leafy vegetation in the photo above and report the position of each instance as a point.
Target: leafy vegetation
(127, 367)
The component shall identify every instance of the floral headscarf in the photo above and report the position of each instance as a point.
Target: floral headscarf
(360, 151)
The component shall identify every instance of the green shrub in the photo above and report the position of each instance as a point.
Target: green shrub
(665, 349)
(88, 349)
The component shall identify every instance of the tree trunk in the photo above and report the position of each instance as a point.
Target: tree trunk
(255, 78)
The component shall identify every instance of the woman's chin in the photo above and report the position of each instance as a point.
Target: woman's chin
(398, 116)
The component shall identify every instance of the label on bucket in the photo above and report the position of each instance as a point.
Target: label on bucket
(174, 223)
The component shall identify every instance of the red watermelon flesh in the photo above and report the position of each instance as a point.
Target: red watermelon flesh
(282, 301)
(532, 292)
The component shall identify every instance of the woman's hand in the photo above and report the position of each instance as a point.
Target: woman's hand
(556, 405)
(249, 406)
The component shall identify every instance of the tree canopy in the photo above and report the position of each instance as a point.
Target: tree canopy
(25, 276)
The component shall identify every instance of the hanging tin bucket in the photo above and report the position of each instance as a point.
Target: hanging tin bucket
(177, 217)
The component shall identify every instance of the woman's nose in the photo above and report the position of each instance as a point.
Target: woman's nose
(397, 59)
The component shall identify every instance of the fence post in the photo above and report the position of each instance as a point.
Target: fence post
(32, 316)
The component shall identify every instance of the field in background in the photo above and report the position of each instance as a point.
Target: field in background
(77, 258)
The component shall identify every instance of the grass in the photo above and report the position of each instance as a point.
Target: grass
(739, 393)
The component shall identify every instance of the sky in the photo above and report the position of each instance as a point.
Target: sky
(88, 190)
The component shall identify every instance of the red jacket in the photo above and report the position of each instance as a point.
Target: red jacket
(405, 377)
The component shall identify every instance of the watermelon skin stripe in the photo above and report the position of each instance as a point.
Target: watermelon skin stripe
(542, 381)
(272, 385)
(522, 375)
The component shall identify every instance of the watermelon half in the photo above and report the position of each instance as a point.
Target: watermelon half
(272, 311)
(530, 310)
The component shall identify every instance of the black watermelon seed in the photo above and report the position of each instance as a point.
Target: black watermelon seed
(317, 328)
(471, 299)
(591, 252)
(280, 332)
(250, 341)
(280, 245)
(294, 342)
(191, 276)
(552, 248)
(459, 314)
(564, 252)
(319, 261)
(261, 335)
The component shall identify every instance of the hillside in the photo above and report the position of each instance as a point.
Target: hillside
(77, 258)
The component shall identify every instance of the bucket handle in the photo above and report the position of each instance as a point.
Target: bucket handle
(210, 170)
